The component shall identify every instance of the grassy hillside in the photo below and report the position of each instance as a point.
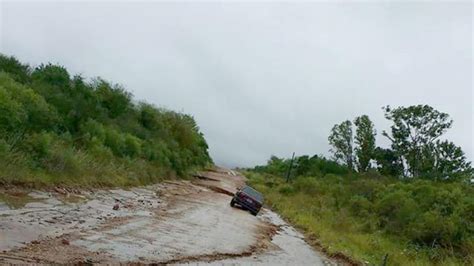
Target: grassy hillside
(61, 129)
(366, 216)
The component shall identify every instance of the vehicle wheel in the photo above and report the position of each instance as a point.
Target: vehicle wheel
(232, 203)
(254, 213)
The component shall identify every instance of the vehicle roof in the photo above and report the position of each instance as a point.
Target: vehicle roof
(253, 193)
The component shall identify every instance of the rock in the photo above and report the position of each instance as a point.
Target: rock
(35, 242)
(60, 190)
(116, 207)
(65, 242)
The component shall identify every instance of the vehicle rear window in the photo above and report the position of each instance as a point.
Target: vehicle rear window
(253, 193)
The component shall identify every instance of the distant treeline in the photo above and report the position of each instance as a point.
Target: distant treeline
(416, 149)
(58, 128)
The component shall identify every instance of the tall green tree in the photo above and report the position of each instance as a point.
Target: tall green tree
(342, 143)
(443, 159)
(365, 142)
(414, 135)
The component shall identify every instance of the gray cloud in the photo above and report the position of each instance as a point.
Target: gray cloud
(262, 79)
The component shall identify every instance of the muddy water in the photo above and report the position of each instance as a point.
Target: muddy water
(51, 216)
(199, 226)
(170, 223)
(289, 248)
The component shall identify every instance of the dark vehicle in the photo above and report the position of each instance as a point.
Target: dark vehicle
(248, 198)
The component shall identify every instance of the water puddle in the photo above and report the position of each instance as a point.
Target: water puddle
(14, 200)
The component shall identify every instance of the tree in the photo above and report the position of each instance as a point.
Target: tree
(12, 114)
(365, 141)
(81, 104)
(443, 159)
(303, 165)
(22, 109)
(18, 71)
(414, 129)
(53, 75)
(388, 162)
(341, 141)
(276, 166)
(113, 97)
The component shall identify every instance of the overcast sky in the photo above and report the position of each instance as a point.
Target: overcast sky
(266, 78)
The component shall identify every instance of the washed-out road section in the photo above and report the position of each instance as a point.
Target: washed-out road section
(175, 222)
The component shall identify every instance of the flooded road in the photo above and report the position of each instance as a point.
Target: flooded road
(176, 222)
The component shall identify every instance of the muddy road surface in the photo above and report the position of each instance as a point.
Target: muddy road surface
(175, 222)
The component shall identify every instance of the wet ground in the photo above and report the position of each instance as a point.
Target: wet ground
(180, 222)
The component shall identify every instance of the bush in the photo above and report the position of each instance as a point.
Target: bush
(286, 190)
(433, 229)
(306, 185)
(99, 151)
(132, 146)
(4, 147)
(39, 144)
(93, 129)
(360, 206)
(396, 210)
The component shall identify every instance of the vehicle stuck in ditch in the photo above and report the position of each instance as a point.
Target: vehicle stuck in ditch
(249, 199)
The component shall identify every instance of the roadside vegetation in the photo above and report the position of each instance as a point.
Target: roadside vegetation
(412, 201)
(61, 129)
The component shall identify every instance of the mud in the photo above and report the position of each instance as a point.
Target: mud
(178, 222)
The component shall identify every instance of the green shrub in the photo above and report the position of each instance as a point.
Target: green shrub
(11, 113)
(99, 151)
(62, 160)
(39, 144)
(115, 141)
(4, 147)
(360, 206)
(93, 129)
(132, 146)
(306, 185)
(396, 210)
(286, 189)
(431, 228)
(367, 188)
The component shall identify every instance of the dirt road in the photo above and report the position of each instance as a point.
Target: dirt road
(179, 222)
